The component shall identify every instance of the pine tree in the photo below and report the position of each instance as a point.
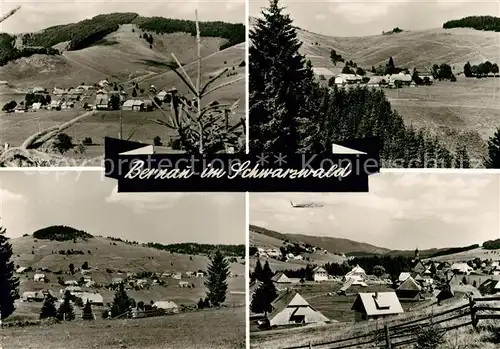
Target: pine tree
(281, 84)
(87, 312)
(48, 308)
(216, 283)
(121, 302)
(256, 275)
(265, 294)
(65, 311)
(9, 284)
(493, 159)
(462, 157)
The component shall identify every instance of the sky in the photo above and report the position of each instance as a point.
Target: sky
(87, 201)
(402, 211)
(369, 17)
(40, 14)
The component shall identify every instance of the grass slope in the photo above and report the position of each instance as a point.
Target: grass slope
(224, 328)
(123, 257)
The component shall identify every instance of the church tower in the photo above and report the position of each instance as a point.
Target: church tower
(417, 254)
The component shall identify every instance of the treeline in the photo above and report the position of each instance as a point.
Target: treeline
(61, 233)
(8, 51)
(234, 33)
(492, 244)
(90, 31)
(488, 23)
(199, 249)
(81, 34)
(480, 70)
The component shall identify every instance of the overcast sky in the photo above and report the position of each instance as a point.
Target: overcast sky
(371, 17)
(36, 15)
(30, 201)
(401, 211)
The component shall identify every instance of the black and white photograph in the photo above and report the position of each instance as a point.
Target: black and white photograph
(84, 267)
(413, 264)
(167, 74)
(421, 75)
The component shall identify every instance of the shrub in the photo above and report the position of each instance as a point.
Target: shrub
(430, 337)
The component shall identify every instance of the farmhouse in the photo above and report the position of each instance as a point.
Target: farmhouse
(403, 276)
(357, 273)
(168, 306)
(21, 270)
(39, 277)
(370, 306)
(320, 274)
(93, 298)
(409, 290)
(177, 276)
(71, 283)
(71, 289)
(404, 79)
(281, 278)
(116, 281)
(377, 81)
(290, 308)
(56, 104)
(33, 296)
(133, 104)
(200, 274)
(162, 95)
(461, 268)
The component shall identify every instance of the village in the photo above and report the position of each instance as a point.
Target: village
(427, 283)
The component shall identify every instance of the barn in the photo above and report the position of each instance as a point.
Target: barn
(281, 278)
(168, 306)
(290, 308)
(371, 306)
(409, 290)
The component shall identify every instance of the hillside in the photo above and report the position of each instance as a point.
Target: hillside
(109, 259)
(333, 245)
(119, 46)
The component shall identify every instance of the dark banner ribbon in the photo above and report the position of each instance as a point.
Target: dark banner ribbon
(138, 168)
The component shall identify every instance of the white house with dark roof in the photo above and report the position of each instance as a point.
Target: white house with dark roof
(370, 306)
(290, 308)
(168, 306)
(357, 273)
(320, 274)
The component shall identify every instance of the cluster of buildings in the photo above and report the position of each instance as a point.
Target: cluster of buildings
(389, 80)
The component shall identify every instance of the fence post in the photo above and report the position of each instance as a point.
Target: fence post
(310, 345)
(472, 307)
(387, 337)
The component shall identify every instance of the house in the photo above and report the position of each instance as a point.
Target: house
(183, 284)
(281, 278)
(36, 106)
(290, 308)
(103, 83)
(320, 274)
(20, 108)
(56, 104)
(409, 290)
(404, 79)
(177, 276)
(141, 282)
(377, 81)
(93, 298)
(36, 296)
(71, 283)
(357, 273)
(39, 277)
(71, 289)
(101, 102)
(168, 306)
(116, 281)
(21, 270)
(461, 268)
(273, 253)
(39, 90)
(370, 306)
(133, 104)
(200, 274)
(419, 267)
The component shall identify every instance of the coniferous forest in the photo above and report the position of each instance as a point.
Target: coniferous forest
(291, 112)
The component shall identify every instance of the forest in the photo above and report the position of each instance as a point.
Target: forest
(200, 249)
(61, 233)
(488, 23)
(8, 52)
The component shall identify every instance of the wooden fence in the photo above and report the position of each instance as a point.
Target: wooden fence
(405, 333)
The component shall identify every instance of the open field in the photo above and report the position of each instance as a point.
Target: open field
(224, 328)
(469, 255)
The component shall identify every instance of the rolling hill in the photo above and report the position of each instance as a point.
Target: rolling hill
(109, 258)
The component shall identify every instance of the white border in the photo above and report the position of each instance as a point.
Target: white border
(247, 72)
